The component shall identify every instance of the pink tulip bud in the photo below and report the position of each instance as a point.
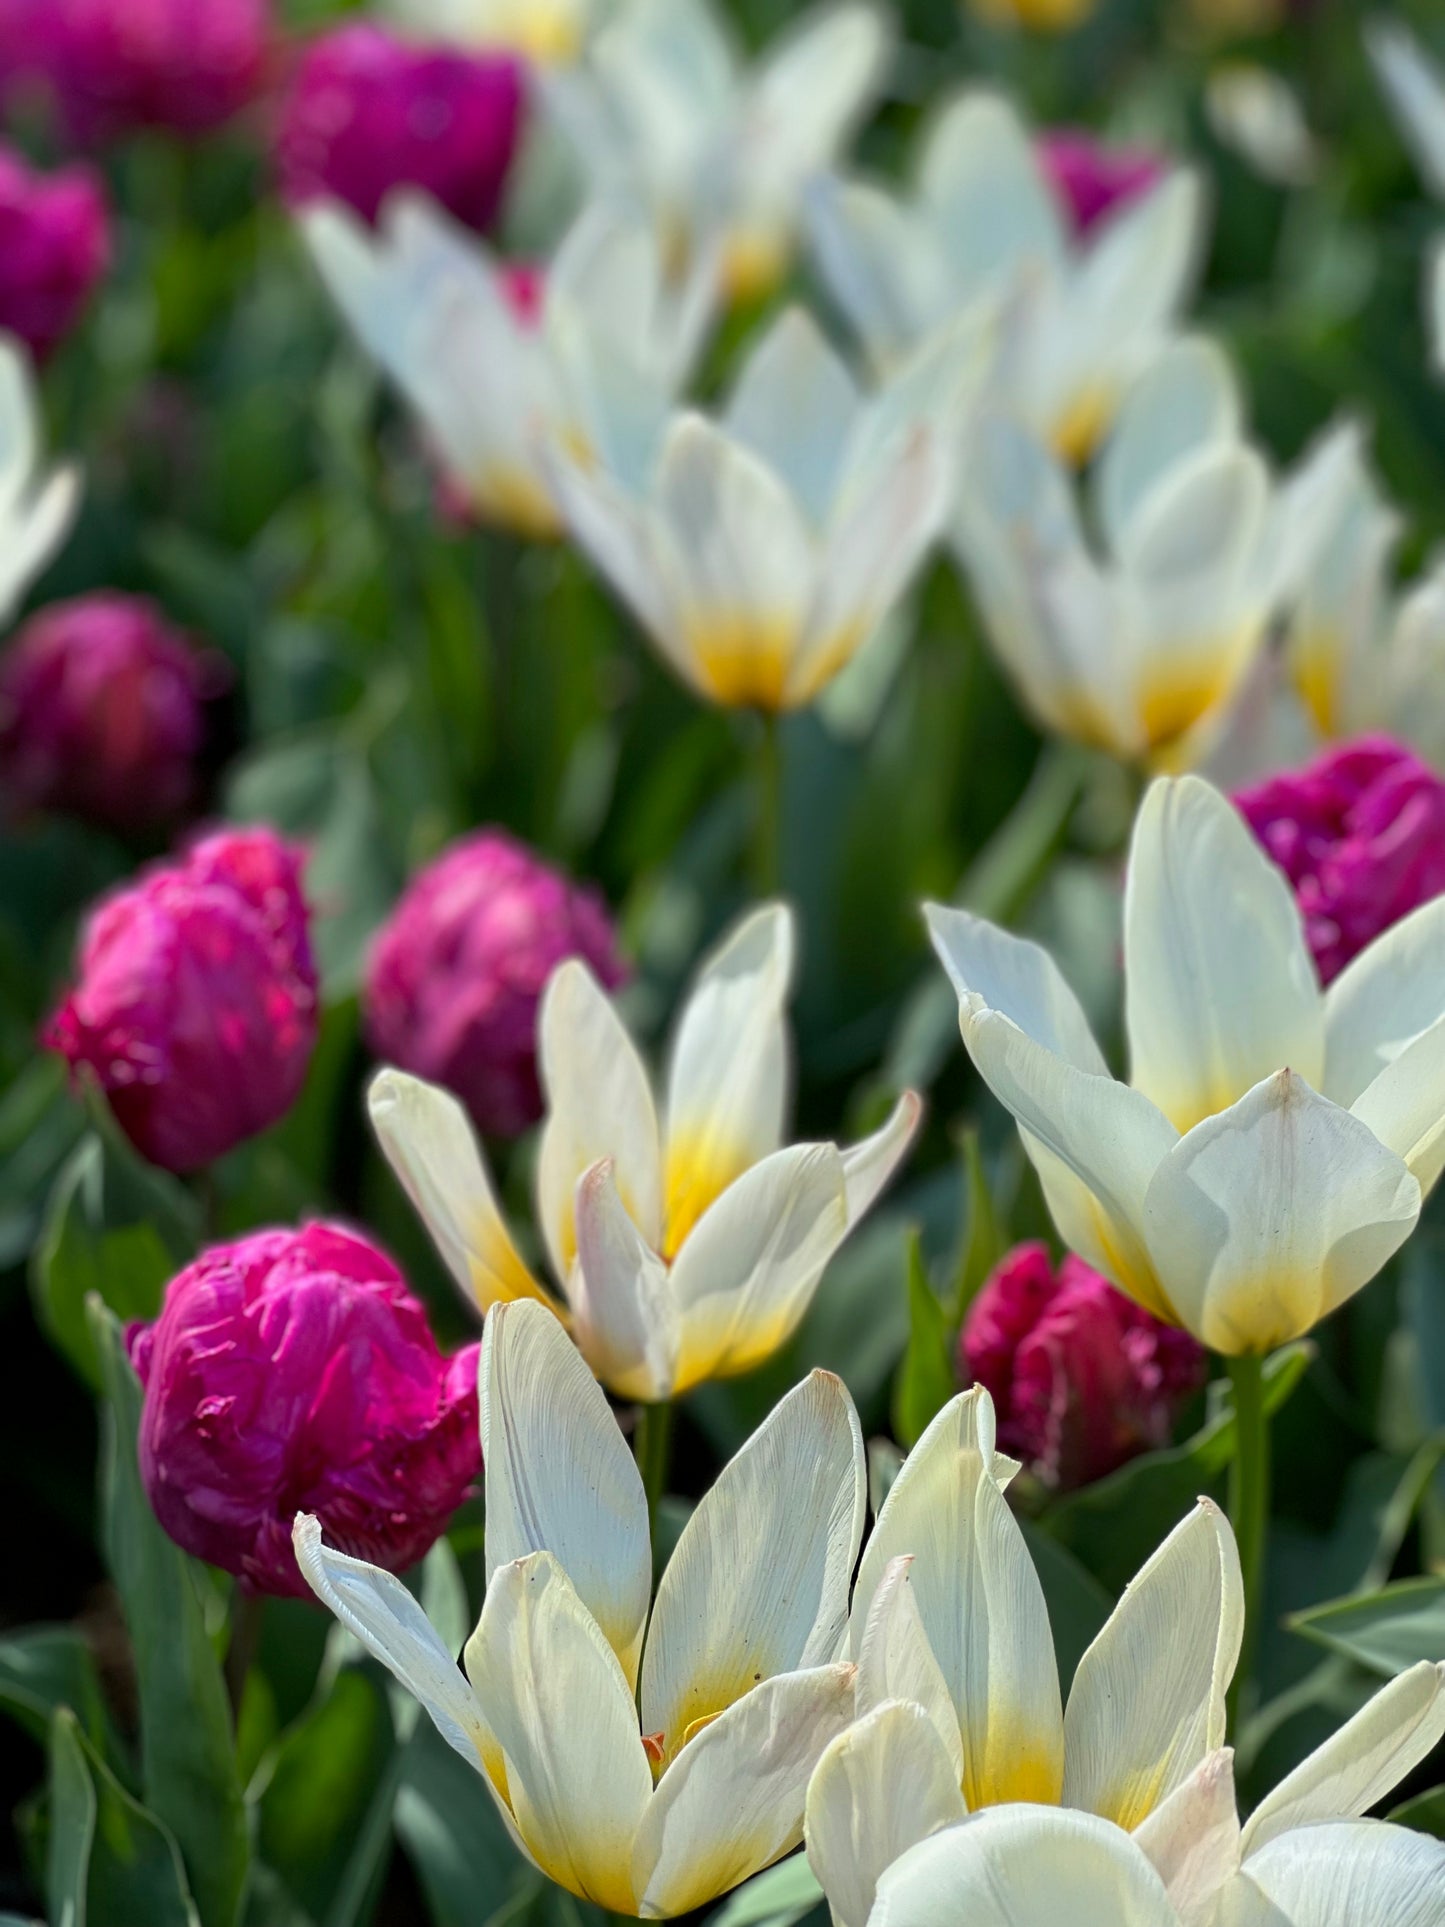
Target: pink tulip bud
(1082, 1378)
(102, 712)
(54, 248)
(368, 112)
(456, 975)
(1090, 179)
(196, 1005)
(1360, 833)
(294, 1372)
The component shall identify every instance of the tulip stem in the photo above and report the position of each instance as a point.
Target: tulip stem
(1249, 1511)
(246, 1615)
(654, 1451)
(768, 816)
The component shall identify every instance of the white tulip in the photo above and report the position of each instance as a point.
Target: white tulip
(36, 508)
(546, 31)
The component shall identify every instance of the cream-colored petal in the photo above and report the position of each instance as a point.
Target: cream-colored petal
(1147, 1704)
(624, 1309)
(982, 183)
(795, 405)
(980, 1603)
(1382, 1000)
(811, 87)
(758, 1584)
(1186, 399)
(1263, 1220)
(1416, 94)
(880, 1788)
(599, 1105)
(558, 1702)
(1405, 1106)
(1367, 1759)
(990, 968)
(883, 263)
(624, 540)
(1220, 987)
(1192, 1839)
(732, 1802)
(868, 1166)
(896, 1662)
(559, 1476)
(1361, 1871)
(428, 1141)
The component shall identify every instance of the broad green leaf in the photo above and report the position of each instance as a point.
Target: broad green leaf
(112, 1864)
(1388, 1630)
(188, 1767)
(73, 1810)
(47, 1667)
(778, 1897)
(984, 1240)
(1425, 1813)
(926, 1378)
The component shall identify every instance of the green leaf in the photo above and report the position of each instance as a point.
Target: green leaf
(926, 1378)
(780, 1896)
(48, 1667)
(1387, 1631)
(985, 1240)
(1425, 1813)
(111, 1863)
(468, 1868)
(188, 1766)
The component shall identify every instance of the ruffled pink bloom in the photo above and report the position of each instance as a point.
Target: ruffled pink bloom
(456, 975)
(54, 248)
(1090, 179)
(1360, 833)
(368, 112)
(196, 1005)
(294, 1372)
(102, 712)
(1081, 1377)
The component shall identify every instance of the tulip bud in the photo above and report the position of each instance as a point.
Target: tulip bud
(368, 112)
(102, 712)
(196, 1005)
(1360, 833)
(294, 1372)
(1090, 179)
(457, 974)
(54, 248)
(1082, 1378)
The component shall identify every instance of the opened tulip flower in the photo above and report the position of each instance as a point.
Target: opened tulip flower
(1085, 313)
(1272, 1147)
(55, 246)
(762, 551)
(668, 115)
(685, 1247)
(494, 371)
(36, 509)
(742, 1679)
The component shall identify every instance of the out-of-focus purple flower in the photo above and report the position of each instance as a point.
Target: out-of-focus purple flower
(102, 712)
(54, 248)
(367, 112)
(196, 1005)
(116, 65)
(1091, 179)
(1081, 1377)
(456, 975)
(294, 1372)
(1360, 833)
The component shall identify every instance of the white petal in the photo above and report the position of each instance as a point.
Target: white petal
(1020, 980)
(1186, 399)
(1265, 1219)
(896, 1662)
(868, 1167)
(1323, 1876)
(747, 1274)
(626, 543)
(559, 1476)
(794, 406)
(1147, 1703)
(882, 262)
(624, 1310)
(1416, 95)
(1192, 1839)
(1355, 1769)
(732, 1802)
(811, 87)
(880, 1788)
(1140, 266)
(599, 1105)
(1405, 1106)
(982, 183)
(1219, 983)
(727, 1085)
(558, 1702)
(980, 1602)
(429, 1142)
(758, 1584)
(1382, 1000)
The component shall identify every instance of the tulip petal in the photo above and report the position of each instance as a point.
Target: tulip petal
(1220, 986)
(429, 1143)
(880, 1788)
(810, 88)
(1382, 1000)
(758, 1584)
(624, 541)
(883, 263)
(624, 1310)
(991, 969)
(896, 1662)
(1404, 1107)
(794, 406)
(1186, 399)
(982, 183)
(1192, 1838)
(868, 1166)
(1361, 1870)
(599, 1106)
(980, 1602)
(1265, 1219)
(1147, 1703)
(559, 1476)
(748, 1272)
(732, 1802)
(1416, 94)
(557, 1700)
(1355, 1769)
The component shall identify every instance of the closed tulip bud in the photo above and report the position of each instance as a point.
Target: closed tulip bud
(368, 112)
(1360, 833)
(1091, 179)
(294, 1369)
(457, 974)
(102, 712)
(1082, 1379)
(195, 1008)
(54, 247)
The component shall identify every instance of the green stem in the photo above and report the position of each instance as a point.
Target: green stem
(654, 1452)
(768, 813)
(1249, 1513)
(246, 1615)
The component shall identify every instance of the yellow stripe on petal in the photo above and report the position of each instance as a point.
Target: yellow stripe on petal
(699, 1169)
(1314, 664)
(1081, 427)
(1178, 691)
(753, 264)
(1015, 1767)
(743, 660)
(516, 500)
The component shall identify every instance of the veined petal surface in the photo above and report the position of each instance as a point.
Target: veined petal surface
(624, 1310)
(1363, 1870)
